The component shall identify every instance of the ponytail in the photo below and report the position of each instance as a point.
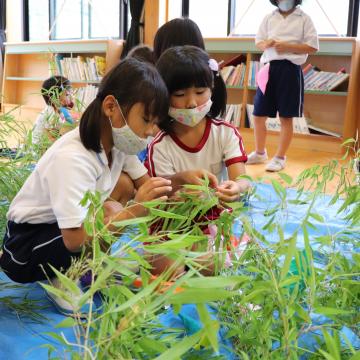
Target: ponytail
(218, 97)
(90, 126)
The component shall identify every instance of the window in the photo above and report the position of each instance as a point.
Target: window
(38, 20)
(248, 16)
(211, 16)
(76, 19)
(66, 18)
(175, 9)
(101, 24)
(329, 17)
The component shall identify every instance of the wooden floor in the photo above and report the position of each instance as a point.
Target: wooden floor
(297, 161)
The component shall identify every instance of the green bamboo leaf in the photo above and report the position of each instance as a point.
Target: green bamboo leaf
(67, 283)
(289, 281)
(195, 296)
(152, 346)
(215, 282)
(167, 214)
(287, 178)
(258, 291)
(326, 355)
(181, 347)
(67, 322)
(303, 314)
(135, 221)
(279, 189)
(356, 356)
(332, 344)
(317, 217)
(289, 256)
(331, 311)
(211, 326)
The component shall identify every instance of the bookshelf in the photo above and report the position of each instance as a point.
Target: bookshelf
(28, 64)
(335, 111)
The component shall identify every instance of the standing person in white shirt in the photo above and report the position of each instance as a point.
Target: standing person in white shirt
(45, 219)
(286, 36)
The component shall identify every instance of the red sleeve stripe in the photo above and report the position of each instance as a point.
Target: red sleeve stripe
(236, 131)
(151, 164)
(239, 159)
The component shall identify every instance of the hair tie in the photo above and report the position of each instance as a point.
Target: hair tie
(214, 66)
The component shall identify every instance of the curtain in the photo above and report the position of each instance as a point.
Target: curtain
(133, 37)
(2, 26)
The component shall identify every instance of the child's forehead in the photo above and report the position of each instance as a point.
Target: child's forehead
(192, 88)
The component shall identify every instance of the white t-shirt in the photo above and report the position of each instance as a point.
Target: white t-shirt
(47, 119)
(221, 144)
(296, 28)
(61, 178)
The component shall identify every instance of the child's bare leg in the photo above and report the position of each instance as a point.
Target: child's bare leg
(286, 134)
(260, 133)
(124, 189)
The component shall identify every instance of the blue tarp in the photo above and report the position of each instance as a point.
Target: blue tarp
(21, 338)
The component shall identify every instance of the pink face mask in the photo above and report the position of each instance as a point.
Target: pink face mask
(190, 117)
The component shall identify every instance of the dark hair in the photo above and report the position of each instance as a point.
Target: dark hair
(296, 2)
(177, 32)
(52, 87)
(131, 81)
(142, 53)
(185, 66)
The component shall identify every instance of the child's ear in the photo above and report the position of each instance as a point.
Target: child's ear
(108, 105)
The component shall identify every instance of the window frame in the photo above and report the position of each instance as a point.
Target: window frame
(353, 15)
(123, 20)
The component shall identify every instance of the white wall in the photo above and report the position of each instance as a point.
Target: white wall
(14, 20)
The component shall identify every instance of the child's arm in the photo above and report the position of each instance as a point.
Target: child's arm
(265, 44)
(285, 47)
(230, 190)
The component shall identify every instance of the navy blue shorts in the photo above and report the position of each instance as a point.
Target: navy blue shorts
(28, 249)
(284, 91)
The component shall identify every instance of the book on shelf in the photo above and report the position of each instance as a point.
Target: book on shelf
(84, 96)
(233, 113)
(318, 80)
(80, 68)
(299, 123)
(318, 130)
(236, 60)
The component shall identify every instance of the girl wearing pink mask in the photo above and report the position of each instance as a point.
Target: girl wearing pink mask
(192, 137)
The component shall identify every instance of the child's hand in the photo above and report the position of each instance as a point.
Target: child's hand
(111, 208)
(281, 47)
(231, 190)
(154, 188)
(269, 43)
(196, 176)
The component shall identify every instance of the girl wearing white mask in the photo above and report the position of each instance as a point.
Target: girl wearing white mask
(286, 37)
(45, 219)
(192, 138)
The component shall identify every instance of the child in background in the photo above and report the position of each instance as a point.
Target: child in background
(45, 219)
(286, 36)
(177, 32)
(191, 137)
(142, 53)
(57, 93)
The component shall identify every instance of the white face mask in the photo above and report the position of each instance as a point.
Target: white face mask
(125, 139)
(286, 5)
(190, 117)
